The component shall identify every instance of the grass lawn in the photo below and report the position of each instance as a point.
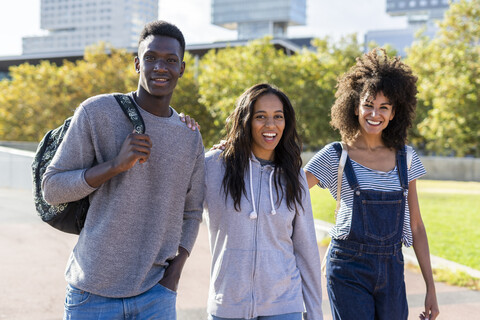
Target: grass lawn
(450, 211)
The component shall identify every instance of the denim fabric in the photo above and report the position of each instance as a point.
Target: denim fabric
(158, 303)
(286, 316)
(365, 272)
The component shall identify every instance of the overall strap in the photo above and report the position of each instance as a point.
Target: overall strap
(349, 172)
(131, 111)
(404, 161)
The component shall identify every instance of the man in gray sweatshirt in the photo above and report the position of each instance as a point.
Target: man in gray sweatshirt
(145, 192)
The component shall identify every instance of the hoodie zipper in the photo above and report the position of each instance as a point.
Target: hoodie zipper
(255, 240)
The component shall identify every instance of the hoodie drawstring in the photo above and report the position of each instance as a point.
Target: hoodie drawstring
(253, 215)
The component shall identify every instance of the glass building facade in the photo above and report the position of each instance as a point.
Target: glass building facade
(71, 25)
(255, 18)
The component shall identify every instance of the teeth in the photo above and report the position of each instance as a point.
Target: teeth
(373, 122)
(270, 134)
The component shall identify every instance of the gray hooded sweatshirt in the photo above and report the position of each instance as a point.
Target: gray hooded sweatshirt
(265, 258)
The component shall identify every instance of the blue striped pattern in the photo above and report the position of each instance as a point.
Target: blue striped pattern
(324, 166)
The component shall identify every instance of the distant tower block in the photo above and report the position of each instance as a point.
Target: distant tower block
(419, 12)
(256, 18)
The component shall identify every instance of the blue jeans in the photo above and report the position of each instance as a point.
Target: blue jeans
(157, 303)
(286, 316)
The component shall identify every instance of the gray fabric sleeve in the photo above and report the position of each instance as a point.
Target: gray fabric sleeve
(64, 180)
(194, 203)
(307, 256)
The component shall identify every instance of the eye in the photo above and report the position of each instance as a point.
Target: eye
(279, 116)
(172, 60)
(149, 58)
(259, 116)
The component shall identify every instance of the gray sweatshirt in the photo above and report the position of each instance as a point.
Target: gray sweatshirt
(139, 218)
(268, 265)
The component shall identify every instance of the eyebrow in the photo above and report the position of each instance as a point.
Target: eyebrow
(382, 104)
(263, 111)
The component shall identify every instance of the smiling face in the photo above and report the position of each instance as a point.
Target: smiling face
(268, 123)
(159, 64)
(374, 114)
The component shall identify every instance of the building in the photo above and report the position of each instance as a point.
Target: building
(254, 19)
(72, 25)
(421, 15)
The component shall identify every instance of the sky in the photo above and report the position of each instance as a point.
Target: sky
(324, 18)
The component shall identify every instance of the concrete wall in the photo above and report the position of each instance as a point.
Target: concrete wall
(441, 168)
(15, 168)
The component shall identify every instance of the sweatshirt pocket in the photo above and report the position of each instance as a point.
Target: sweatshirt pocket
(232, 276)
(277, 278)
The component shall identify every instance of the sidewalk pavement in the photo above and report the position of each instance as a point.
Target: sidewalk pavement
(33, 257)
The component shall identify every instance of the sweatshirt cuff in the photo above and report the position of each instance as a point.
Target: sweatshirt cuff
(189, 234)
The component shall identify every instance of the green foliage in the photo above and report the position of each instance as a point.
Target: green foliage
(186, 99)
(38, 98)
(448, 67)
(456, 278)
(308, 78)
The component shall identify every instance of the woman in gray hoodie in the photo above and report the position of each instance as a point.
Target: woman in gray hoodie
(265, 262)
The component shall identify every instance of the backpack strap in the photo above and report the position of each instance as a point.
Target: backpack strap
(341, 166)
(409, 156)
(131, 111)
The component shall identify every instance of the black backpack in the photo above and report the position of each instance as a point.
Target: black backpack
(69, 217)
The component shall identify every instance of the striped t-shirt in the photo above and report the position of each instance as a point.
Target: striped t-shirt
(324, 166)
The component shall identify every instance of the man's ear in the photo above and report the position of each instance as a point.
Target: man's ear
(182, 69)
(137, 64)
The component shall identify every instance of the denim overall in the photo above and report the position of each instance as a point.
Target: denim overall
(365, 272)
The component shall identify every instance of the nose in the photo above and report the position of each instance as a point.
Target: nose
(269, 122)
(160, 65)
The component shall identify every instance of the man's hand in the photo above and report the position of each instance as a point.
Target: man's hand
(173, 272)
(221, 145)
(190, 122)
(136, 147)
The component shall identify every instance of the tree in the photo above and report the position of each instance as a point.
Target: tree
(307, 77)
(186, 99)
(448, 67)
(39, 98)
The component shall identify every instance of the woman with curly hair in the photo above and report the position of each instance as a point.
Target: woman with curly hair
(379, 211)
(265, 257)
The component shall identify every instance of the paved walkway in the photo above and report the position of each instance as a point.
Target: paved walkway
(33, 257)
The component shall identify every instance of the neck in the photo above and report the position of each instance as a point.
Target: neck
(269, 156)
(368, 142)
(159, 106)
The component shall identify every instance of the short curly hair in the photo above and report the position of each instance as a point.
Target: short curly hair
(375, 72)
(163, 28)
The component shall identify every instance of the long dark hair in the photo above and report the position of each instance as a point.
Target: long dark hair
(238, 148)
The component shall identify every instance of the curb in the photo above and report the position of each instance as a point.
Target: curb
(322, 228)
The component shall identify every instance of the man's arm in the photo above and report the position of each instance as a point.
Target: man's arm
(135, 148)
(192, 217)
